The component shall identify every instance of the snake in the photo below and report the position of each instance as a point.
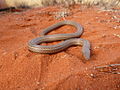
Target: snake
(69, 39)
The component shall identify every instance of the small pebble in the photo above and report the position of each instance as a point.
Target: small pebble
(92, 75)
(117, 35)
(96, 47)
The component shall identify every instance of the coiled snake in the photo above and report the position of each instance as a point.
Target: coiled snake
(69, 40)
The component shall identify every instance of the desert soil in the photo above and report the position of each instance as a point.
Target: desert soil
(21, 69)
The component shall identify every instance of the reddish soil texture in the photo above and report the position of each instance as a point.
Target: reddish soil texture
(21, 69)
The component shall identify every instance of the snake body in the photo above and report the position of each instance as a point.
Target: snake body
(69, 40)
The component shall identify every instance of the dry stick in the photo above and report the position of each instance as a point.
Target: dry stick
(6, 9)
(111, 65)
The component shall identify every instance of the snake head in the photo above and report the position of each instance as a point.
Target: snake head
(86, 49)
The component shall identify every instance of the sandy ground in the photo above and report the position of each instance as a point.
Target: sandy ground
(21, 69)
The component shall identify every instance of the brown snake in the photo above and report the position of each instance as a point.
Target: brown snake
(69, 40)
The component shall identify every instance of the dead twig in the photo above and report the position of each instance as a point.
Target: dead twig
(112, 68)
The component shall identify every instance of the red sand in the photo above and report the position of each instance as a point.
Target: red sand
(21, 69)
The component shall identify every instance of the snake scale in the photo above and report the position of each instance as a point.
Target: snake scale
(70, 39)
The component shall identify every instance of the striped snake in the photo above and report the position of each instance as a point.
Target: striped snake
(69, 40)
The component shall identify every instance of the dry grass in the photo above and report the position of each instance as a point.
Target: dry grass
(23, 3)
(36, 3)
